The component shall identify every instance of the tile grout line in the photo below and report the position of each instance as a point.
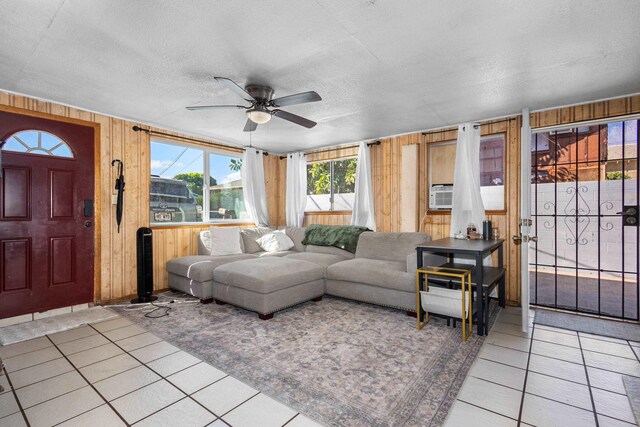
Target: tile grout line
(633, 351)
(15, 396)
(90, 385)
(37, 364)
(485, 409)
(586, 372)
(39, 381)
(526, 375)
(537, 373)
(239, 405)
(292, 418)
(22, 354)
(495, 383)
(160, 375)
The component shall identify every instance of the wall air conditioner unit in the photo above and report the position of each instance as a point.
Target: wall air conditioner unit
(441, 197)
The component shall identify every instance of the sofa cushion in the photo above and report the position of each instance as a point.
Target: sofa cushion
(297, 235)
(383, 273)
(276, 241)
(324, 260)
(330, 250)
(200, 267)
(204, 243)
(249, 237)
(389, 246)
(281, 254)
(267, 274)
(225, 241)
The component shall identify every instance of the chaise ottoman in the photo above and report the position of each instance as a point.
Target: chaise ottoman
(266, 285)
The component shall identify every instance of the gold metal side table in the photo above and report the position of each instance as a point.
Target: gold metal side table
(464, 275)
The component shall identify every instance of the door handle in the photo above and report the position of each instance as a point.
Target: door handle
(524, 239)
(88, 224)
(628, 211)
(629, 215)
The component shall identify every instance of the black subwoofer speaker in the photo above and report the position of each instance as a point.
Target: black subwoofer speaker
(144, 250)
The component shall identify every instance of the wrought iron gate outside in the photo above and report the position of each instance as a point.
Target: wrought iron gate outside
(584, 206)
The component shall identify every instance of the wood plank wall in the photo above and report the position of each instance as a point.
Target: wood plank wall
(116, 274)
(438, 225)
(117, 271)
(386, 176)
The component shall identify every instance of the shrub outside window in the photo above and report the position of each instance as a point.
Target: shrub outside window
(331, 185)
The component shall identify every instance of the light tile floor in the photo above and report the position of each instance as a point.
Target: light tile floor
(114, 373)
(546, 377)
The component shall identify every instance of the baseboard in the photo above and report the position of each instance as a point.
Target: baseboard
(127, 298)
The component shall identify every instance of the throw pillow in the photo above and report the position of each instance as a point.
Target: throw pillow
(276, 241)
(225, 241)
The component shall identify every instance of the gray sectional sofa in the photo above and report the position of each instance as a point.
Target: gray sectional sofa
(381, 272)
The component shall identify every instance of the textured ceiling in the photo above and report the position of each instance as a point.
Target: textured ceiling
(382, 67)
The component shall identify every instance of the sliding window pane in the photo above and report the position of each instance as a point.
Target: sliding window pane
(226, 196)
(176, 183)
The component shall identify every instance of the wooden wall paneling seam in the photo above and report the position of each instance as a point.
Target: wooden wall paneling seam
(115, 282)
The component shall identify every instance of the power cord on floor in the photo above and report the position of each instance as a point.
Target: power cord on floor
(164, 307)
(155, 307)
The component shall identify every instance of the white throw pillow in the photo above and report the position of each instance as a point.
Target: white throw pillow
(225, 241)
(276, 241)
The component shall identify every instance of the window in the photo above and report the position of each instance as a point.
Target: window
(442, 159)
(179, 191)
(331, 185)
(37, 142)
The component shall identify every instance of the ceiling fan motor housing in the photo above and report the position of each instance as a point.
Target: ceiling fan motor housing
(262, 94)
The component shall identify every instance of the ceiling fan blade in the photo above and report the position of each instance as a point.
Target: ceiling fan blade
(207, 107)
(298, 98)
(294, 119)
(233, 86)
(250, 126)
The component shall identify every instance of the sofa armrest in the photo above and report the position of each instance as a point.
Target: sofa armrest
(427, 259)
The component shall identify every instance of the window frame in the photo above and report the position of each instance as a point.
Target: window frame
(331, 211)
(39, 150)
(503, 135)
(206, 187)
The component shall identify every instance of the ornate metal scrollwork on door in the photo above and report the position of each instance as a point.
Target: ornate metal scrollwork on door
(577, 224)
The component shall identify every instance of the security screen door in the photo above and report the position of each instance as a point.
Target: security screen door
(584, 208)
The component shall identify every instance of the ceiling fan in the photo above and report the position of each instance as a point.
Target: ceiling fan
(260, 97)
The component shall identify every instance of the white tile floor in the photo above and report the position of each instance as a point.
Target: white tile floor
(547, 377)
(115, 373)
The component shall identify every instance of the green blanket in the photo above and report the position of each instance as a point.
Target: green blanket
(340, 236)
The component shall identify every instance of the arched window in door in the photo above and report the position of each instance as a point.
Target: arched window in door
(37, 142)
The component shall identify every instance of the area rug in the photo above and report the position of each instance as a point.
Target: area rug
(591, 325)
(340, 362)
(49, 325)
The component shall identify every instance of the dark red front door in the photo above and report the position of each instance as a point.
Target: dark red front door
(46, 214)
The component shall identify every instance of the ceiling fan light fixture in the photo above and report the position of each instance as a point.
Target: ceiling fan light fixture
(258, 116)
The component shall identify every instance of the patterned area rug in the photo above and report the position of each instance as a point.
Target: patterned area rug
(340, 362)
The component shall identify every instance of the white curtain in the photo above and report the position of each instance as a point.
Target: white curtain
(255, 195)
(363, 213)
(467, 207)
(296, 198)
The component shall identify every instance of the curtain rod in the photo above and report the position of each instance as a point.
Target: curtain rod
(433, 132)
(186, 138)
(328, 150)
